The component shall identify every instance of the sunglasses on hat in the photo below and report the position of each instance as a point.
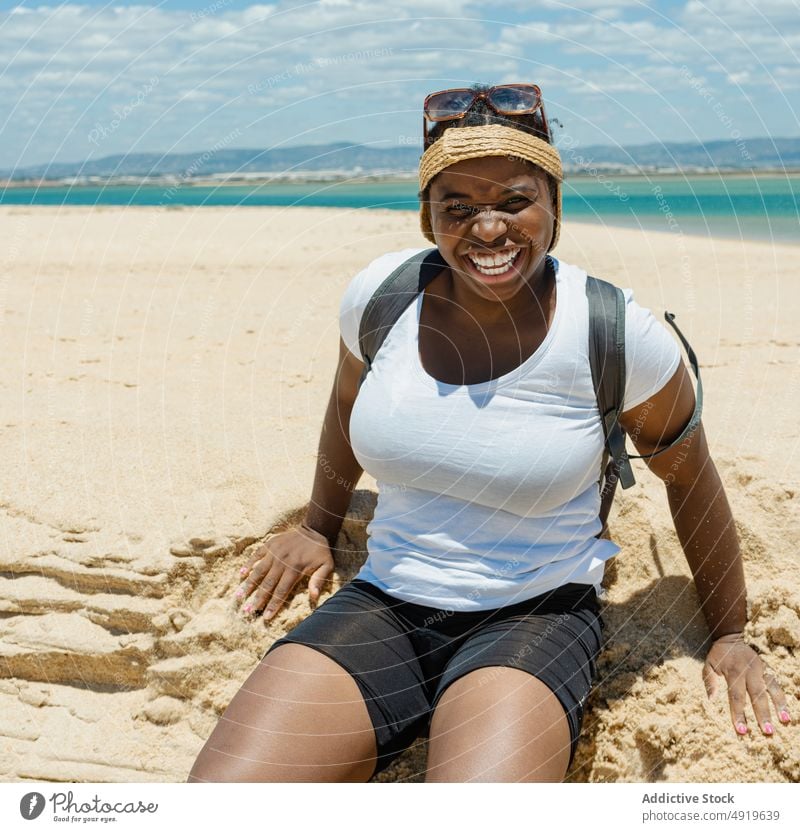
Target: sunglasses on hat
(504, 99)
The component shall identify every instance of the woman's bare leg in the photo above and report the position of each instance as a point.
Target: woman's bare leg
(299, 717)
(498, 725)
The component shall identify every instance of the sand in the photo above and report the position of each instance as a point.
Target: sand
(163, 382)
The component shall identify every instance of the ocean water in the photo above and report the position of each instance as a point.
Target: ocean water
(765, 207)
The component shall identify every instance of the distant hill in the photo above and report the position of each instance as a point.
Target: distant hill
(742, 154)
(345, 157)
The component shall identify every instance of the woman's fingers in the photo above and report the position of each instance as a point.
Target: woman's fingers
(746, 675)
(256, 574)
(265, 588)
(737, 689)
(285, 585)
(260, 552)
(757, 689)
(317, 581)
(778, 697)
(274, 589)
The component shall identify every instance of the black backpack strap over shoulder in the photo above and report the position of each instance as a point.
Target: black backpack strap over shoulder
(607, 359)
(391, 299)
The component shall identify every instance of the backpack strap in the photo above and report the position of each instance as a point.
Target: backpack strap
(391, 299)
(607, 359)
(607, 362)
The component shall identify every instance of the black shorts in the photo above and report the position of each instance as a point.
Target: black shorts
(404, 655)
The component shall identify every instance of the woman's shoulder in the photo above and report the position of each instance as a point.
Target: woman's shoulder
(364, 283)
(577, 276)
(651, 353)
(360, 289)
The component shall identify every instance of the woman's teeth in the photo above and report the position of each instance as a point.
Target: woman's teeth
(494, 264)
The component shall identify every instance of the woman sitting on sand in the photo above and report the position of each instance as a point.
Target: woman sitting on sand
(475, 619)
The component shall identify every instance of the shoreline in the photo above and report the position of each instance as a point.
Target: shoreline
(19, 209)
(380, 179)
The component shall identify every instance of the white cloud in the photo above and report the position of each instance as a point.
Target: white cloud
(239, 66)
(255, 14)
(612, 41)
(614, 13)
(580, 5)
(769, 12)
(787, 77)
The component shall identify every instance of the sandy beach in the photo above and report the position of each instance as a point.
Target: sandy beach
(164, 378)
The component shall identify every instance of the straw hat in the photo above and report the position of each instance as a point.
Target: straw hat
(459, 143)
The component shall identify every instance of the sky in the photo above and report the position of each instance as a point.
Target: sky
(83, 81)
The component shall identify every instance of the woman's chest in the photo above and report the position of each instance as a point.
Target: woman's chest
(528, 444)
(525, 456)
(474, 355)
(459, 350)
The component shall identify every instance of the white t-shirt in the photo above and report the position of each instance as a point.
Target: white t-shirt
(488, 493)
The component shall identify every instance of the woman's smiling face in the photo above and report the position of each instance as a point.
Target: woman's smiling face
(500, 249)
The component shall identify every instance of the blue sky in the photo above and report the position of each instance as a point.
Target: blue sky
(87, 80)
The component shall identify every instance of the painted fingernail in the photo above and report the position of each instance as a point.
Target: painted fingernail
(784, 716)
(243, 570)
(240, 593)
(768, 729)
(248, 607)
(741, 728)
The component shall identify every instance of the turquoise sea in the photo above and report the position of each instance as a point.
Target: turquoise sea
(765, 207)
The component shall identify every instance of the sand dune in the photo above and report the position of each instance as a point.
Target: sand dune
(164, 379)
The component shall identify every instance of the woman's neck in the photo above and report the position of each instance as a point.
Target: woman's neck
(530, 305)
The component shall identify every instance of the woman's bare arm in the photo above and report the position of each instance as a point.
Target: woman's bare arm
(337, 471)
(705, 527)
(697, 501)
(276, 566)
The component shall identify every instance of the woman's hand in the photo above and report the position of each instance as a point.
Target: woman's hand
(745, 673)
(279, 563)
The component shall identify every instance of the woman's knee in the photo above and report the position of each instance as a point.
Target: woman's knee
(299, 717)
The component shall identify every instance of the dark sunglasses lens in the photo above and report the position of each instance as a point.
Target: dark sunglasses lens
(515, 99)
(446, 104)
